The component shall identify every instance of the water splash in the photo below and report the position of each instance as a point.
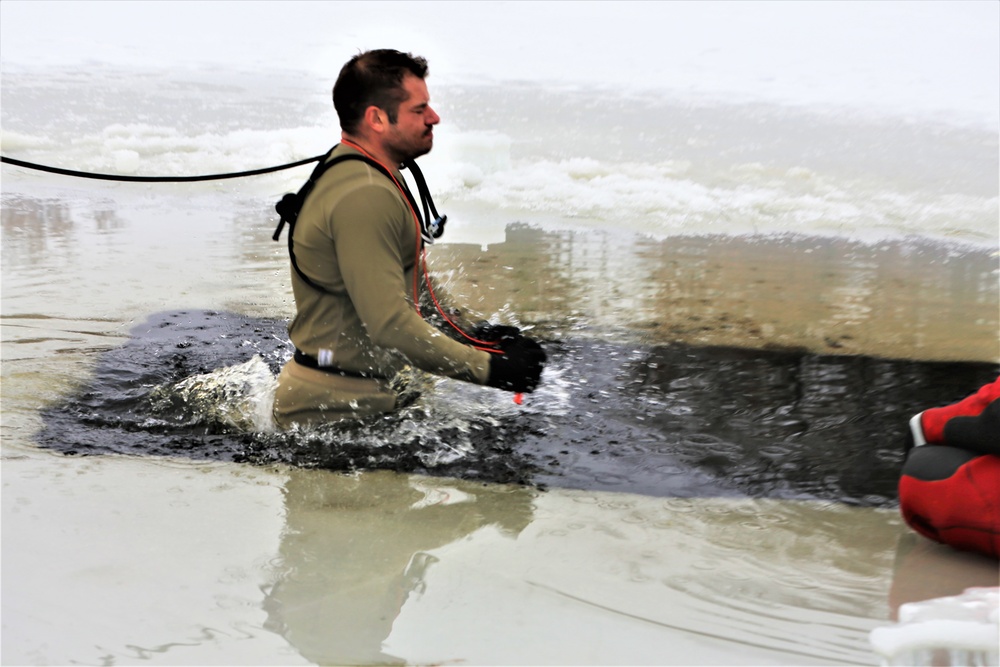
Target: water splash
(235, 397)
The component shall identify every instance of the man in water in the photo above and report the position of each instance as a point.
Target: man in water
(356, 251)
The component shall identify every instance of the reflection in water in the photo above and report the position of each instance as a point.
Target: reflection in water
(355, 549)
(33, 228)
(382, 568)
(824, 425)
(925, 570)
(896, 300)
(906, 299)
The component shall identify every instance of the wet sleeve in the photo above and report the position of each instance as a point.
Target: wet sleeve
(370, 235)
(934, 420)
(979, 433)
(436, 304)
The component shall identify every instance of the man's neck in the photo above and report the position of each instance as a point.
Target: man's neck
(372, 149)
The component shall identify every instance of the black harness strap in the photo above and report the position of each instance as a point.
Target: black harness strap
(431, 227)
(291, 204)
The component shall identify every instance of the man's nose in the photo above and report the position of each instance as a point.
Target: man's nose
(432, 117)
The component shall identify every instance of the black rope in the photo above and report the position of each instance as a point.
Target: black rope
(157, 179)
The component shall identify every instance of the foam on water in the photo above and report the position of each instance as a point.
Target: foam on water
(659, 199)
(491, 171)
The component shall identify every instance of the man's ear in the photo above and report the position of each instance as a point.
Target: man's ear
(376, 119)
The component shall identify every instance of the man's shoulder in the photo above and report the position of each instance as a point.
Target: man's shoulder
(353, 192)
(350, 192)
(350, 167)
(352, 178)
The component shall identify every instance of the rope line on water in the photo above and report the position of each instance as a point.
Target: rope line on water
(156, 179)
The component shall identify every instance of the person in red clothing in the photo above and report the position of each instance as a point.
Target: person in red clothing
(949, 490)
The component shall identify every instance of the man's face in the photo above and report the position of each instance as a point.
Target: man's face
(412, 135)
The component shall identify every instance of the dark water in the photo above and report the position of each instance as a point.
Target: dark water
(669, 420)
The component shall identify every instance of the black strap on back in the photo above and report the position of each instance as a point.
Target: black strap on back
(291, 204)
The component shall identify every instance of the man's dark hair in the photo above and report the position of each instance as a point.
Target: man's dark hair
(373, 78)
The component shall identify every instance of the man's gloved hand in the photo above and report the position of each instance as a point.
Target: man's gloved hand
(502, 334)
(519, 367)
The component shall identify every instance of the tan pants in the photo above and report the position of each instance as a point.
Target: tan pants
(309, 397)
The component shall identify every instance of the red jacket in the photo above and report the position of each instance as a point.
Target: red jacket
(950, 487)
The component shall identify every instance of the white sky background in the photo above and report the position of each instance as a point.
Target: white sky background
(905, 56)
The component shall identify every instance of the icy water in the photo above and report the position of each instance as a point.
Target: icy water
(744, 297)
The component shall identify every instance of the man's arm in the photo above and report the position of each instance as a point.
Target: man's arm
(371, 232)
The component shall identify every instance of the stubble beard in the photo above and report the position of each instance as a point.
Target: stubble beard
(411, 150)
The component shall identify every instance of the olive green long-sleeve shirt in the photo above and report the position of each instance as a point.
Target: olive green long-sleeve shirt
(356, 237)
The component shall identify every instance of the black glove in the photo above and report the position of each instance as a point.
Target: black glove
(519, 367)
(501, 334)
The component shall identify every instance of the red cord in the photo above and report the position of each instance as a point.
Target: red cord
(476, 343)
(416, 219)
